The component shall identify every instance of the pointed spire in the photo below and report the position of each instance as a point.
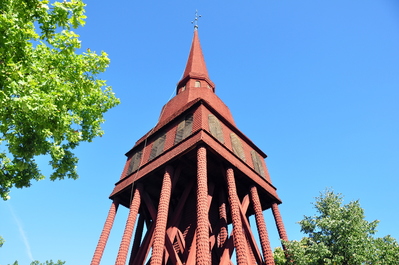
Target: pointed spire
(196, 62)
(195, 75)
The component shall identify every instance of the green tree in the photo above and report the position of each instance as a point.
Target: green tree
(48, 262)
(1, 241)
(339, 234)
(51, 98)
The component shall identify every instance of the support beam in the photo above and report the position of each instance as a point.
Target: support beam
(145, 247)
(238, 233)
(251, 242)
(148, 240)
(203, 254)
(223, 233)
(105, 234)
(162, 218)
(262, 230)
(137, 238)
(131, 220)
(279, 222)
(229, 246)
(173, 230)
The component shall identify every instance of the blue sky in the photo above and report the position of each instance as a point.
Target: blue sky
(313, 83)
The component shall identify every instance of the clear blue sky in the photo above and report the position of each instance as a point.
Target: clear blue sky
(315, 84)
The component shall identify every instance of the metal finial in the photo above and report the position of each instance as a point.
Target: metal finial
(195, 21)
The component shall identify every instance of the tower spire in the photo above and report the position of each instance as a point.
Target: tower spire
(194, 175)
(195, 74)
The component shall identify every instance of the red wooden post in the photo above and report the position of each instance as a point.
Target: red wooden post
(127, 234)
(239, 238)
(279, 222)
(105, 234)
(162, 217)
(203, 256)
(262, 230)
(137, 238)
(223, 234)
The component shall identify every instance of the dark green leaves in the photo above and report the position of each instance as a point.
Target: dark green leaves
(339, 234)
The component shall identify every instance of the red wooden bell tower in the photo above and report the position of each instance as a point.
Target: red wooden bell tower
(192, 182)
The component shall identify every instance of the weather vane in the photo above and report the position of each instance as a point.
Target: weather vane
(195, 21)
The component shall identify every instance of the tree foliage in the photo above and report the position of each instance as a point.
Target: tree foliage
(47, 262)
(1, 241)
(339, 234)
(50, 95)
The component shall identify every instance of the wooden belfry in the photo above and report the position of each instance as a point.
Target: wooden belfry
(192, 182)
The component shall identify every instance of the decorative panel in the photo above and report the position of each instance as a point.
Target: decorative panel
(179, 132)
(184, 128)
(237, 146)
(188, 125)
(134, 162)
(257, 161)
(215, 128)
(157, 147)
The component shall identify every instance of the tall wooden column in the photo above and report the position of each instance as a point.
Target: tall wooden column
(162, 218)
(105, 234)
(203, 256)
(239, 239)
(279, 222)
(261, 225)
(127, 234)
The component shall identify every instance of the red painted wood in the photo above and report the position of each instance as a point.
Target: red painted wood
(223, 233)
(162, 218)
(279, 222)
(248, 232)
(202, 237)
(185, 222)
(137, 238)
(239, 239)
(262, 230)
(174, 258)
(105, 234)
(145, 246)
(127, 234)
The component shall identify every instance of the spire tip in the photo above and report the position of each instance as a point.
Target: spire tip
(195, 21)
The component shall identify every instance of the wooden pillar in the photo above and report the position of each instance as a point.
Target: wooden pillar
(137, 238)
(262, 230)
(223, 233)
(238, 233)
(105, 234)
(279, 222)
(162, 218)
(203, 255)
(127, 234)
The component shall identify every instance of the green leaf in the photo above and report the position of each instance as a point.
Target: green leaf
(339, 234)
(51, 96)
